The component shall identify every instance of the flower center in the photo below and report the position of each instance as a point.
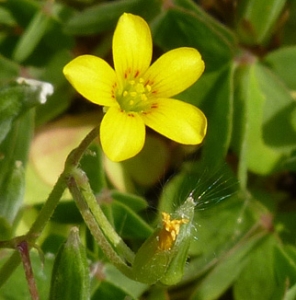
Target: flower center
(134, 96)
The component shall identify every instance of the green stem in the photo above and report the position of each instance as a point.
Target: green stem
(102, 221)
(47, 210)
(95, 229)
(37, 227)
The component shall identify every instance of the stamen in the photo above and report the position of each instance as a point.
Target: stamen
(169, 232)
(135, 95)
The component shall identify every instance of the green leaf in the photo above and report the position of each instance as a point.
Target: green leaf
(42, 30)
(219, 231)
(223, 32)
(270, 272)
(116, 286)
(12, 192)
(52, 72)
(53, 242)
(213, 94)
(9, 69)
(6, 17)
(192, 27)
(256, 20)
(278, 130)
(16, 287)
(201, 91)
(65, 213)
(70, 275)
(263, 119)
(288, 37)
(247, 137)
(283, 62)
(17, 98)
(22, 10)
(221, 277)
(291, 293)
(134, 202)
(258, 281)
(32, 36)
(286, 223)
(285, 264)
(14, 151)
(219, 110)
(103, 17)
(127, 222)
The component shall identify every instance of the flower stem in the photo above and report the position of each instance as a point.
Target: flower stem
(109, 232)
(48, 208)
(23, 249)
(37, 227)
(95, 229)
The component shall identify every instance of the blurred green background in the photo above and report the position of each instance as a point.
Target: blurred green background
(243, 175)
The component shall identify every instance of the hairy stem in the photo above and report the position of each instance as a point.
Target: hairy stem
(112, 236)
(52, 201)
(95, 228)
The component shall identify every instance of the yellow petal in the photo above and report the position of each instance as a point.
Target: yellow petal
(93, 78)
(177, 120)
(174, 72)
(132, 46)
(122, 134)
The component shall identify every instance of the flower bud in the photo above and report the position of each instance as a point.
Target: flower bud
(163, 255)
(70, 275)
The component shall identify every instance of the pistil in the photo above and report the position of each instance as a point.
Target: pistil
(135, 95)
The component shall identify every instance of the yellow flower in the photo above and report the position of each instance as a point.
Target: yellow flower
(136, 94)
(169, 231)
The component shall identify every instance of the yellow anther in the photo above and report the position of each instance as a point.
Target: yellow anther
(148, 88)
(169, 232)
(131, 82)
(131, 102)
(133, 94)
(125, 93)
